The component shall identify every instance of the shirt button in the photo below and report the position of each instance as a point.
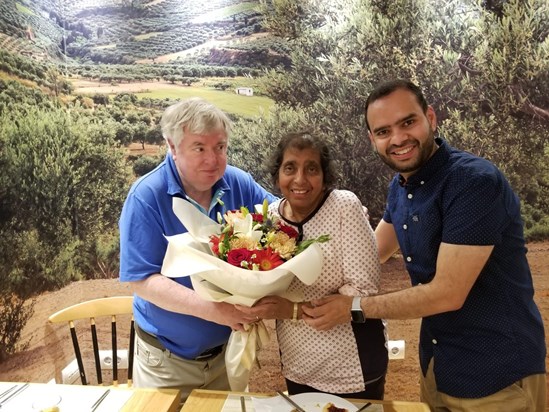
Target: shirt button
(408, 259)
(434, 341)
(410, 195)
(405, 227)
(422, 182)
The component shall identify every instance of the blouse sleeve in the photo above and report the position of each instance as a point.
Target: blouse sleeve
(360, 261)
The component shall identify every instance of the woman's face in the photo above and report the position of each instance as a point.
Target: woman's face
(301, 180)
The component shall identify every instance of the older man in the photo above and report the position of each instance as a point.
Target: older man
(181, 337)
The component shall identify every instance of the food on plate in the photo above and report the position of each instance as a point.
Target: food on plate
(330, 407)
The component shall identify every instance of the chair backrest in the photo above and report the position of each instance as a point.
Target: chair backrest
(92, 309)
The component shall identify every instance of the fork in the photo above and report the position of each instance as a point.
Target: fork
(364, 406)
(98, 402)
(7, 391)
(291, 401)
(13, 394)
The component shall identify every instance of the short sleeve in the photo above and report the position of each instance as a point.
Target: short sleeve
(142, 241)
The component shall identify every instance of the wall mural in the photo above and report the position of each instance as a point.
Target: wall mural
(83, 84)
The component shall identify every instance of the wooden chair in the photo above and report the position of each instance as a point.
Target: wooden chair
(92, 309)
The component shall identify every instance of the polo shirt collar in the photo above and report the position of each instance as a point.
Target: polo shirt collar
(430, 168)
(175, 186)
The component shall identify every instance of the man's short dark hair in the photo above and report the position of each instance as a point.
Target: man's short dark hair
(386, 88)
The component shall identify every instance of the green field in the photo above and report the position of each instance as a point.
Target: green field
(225, 12)
(24, 10)
(248, 106)
(146, 36)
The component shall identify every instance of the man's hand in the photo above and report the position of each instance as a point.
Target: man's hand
(325, 313)
(227, 314)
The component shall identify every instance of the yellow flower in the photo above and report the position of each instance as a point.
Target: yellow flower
(283, 244)
(242, 243)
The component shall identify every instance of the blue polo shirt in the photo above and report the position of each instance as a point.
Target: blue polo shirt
(146, 218)
(497, 337)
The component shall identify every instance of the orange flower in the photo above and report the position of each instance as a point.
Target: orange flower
(267, 259)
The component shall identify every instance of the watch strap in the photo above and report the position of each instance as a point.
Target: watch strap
(356, 303)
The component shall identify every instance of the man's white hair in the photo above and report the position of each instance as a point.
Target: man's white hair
(195, 116)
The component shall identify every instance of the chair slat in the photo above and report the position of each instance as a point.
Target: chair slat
(77, 354)
(131, 350)
(96, 352)
(114, 352)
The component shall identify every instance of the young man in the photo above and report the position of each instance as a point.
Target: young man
(181, 337)
(457, 223)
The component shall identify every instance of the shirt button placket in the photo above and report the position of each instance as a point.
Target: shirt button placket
(405, 227)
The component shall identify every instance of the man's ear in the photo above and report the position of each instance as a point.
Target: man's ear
(432, 117)
(171, 146)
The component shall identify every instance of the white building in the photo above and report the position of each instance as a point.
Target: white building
(246, 91)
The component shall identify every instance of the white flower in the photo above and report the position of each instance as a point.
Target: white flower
(243, 228)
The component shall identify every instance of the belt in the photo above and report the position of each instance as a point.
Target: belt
(152, 340)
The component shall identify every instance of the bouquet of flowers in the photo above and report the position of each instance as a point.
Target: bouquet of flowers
(249, 256)
(257, 241)
(203, 254)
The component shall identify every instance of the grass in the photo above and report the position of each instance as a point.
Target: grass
(248, 106)
(225, 12)
(24, 10)
(105, 46)
(146, 36)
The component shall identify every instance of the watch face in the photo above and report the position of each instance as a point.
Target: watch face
(358, 316)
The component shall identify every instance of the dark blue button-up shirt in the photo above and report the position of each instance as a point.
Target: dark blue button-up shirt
(497, 337)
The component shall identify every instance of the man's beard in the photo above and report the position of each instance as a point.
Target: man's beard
(425, 152)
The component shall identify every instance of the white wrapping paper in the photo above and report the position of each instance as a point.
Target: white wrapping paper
(218, 281)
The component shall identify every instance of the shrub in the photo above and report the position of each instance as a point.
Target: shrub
(14, 314)
(144, 164)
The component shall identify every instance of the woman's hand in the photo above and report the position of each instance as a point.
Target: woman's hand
(269, 307)
(325, 313)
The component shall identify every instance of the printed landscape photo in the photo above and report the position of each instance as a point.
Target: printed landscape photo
(83, 85)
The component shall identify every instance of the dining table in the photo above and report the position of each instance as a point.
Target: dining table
(202, 400)
(36, 397)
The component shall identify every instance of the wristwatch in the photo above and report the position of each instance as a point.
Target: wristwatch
(357, 316)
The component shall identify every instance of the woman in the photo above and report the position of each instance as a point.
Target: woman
(344, 358)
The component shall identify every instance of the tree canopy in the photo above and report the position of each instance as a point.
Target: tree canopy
(485, 71)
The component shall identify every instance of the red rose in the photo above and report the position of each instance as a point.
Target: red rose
(257, 217)
(236, 256)
(290, 231)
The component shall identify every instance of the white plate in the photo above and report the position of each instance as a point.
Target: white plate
(315, 401)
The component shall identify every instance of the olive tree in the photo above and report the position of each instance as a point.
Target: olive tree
(484, 72)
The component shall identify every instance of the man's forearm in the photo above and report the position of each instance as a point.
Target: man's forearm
(411, 303)
(169, 295)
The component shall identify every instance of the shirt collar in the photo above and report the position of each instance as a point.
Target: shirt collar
(431, 167)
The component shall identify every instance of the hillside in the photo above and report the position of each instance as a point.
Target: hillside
(128, 31)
